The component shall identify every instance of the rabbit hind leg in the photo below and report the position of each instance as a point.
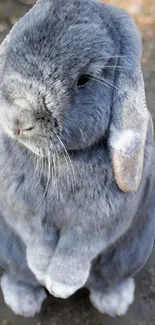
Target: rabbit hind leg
(116, 300)
(24, 299)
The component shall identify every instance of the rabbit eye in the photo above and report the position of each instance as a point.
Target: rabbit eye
(83, 80)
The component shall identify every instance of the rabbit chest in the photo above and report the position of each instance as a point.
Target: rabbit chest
(73, 190)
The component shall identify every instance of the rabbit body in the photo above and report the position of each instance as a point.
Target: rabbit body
(59, 198)
(81, 240)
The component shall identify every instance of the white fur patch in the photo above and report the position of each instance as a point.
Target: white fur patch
(24, 300)
(39, 274)
(125, 141)
(60, 290)
(116, 301)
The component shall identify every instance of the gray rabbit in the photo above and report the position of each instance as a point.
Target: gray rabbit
(77, 156)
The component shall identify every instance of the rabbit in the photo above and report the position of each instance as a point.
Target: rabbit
(20, 288)
(77, 153)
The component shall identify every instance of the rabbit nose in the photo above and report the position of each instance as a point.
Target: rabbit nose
(21, 126)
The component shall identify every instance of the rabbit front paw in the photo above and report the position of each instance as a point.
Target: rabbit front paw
(61, 290)
(64, 283)
(115, 301)
(38, 259)
(24, 300)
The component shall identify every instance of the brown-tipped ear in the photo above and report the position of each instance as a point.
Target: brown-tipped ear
(128, 132)
(129, 120)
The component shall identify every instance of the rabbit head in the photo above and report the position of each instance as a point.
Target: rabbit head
(71, 76)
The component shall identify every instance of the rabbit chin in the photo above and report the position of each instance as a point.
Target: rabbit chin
(33, 148)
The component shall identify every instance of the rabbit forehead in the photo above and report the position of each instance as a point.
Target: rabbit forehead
(67, 35)
(78, 42)
(64, 58)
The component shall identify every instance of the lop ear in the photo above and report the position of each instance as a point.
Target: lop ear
(129, 120)
(3, 54)
(128, 132)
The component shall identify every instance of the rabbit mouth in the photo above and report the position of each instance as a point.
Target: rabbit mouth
(38, 140)
(40, 148)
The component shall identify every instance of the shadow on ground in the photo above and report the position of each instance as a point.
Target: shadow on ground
(77, 310)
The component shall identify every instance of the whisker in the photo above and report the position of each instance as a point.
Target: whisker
(68, 171)
(40, 170)
(116, 67)
(104, 82)
(52, 178)
(48, 180)
(55, 172)
(99, 81)
(109, 83)
(69, 159)
(36, 168)
(57, 155)
(115, 56)
(113, 66)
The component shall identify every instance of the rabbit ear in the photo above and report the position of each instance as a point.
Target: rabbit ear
(129, 120)
(3, 54)
(128, 132)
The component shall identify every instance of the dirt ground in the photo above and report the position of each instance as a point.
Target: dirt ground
(77, 310)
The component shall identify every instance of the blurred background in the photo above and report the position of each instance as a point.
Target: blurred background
(77, 310)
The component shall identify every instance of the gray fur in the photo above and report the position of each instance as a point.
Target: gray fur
(21, 290)
(76, 227)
